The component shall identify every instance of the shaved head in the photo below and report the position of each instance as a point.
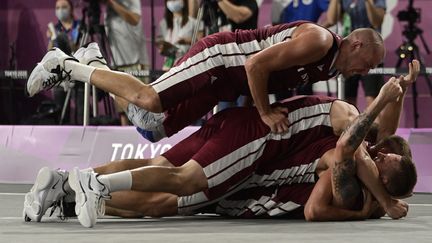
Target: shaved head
(369, 37)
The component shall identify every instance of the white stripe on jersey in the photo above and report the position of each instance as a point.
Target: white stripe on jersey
(308, 111)
(252, 151)
(233, 55)
(283, 208)
(294, 175)
(188, 204)
(249, 153)
(264, 205)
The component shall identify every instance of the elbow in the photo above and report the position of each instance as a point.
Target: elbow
(239, 18)
(330, 21)
(311, 213)
(250, 65)
(376, 25)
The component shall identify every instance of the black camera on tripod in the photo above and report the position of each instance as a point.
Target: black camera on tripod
(411, 15)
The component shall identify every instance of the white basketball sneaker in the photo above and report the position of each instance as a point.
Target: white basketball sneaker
(90, 194)
(50, 71)
(47, 191)
(91, 55)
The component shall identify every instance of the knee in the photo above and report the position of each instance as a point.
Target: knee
(190, 180)
(147, 98)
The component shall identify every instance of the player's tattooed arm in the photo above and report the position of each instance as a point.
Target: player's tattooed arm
(346, 186)
(344, 181)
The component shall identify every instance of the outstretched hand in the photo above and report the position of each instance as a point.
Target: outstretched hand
(391, 90)
(411, 77)
(276, 119)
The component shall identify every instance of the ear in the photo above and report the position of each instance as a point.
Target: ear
(356, 44)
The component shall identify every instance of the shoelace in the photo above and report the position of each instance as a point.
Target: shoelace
(60, 74)
(58, 204)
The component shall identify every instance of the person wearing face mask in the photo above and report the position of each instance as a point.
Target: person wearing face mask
(176, 31)
(65, 35)
(67, 28)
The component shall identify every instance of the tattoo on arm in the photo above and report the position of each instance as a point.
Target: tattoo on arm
(357, 131)
(345, 182)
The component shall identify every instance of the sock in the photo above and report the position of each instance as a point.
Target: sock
(99, 65)
(118, 181)
(80, 72)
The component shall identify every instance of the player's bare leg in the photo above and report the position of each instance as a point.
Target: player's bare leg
(128, 87)
(56, 68)
(90, 189)
(140, 204)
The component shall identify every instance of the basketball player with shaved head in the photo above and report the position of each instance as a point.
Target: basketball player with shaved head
(220, 67)
(214, 164)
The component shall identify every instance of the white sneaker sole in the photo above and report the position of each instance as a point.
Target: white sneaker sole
(86, 216)
(33, 208)
(34, 82)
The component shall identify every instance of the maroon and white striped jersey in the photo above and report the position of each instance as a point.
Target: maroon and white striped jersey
(218, 60)
(237, 150)
(213, 70)
(285, 201)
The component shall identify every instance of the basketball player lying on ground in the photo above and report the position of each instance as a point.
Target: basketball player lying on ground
(220, 67)
(223, 164)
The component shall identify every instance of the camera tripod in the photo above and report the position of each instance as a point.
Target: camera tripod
(92, 30)
(409, 51)
(211, 22)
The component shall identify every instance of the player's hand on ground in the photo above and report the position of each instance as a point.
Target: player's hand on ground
(391, 91)
(276, 119)
(369, 205)
(411, 77)
(397, 209)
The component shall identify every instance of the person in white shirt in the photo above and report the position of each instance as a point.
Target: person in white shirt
(176, 31)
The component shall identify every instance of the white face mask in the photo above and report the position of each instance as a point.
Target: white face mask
(62, 13)
(175, 6)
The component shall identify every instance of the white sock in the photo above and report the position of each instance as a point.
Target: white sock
(99, 65)
(118, 181)
(80, 72)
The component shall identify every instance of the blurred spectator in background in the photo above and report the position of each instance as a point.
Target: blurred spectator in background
(241, 14)
(285, 11)
(176, 31)
(359, 14)
(65, 35)
(126, 38)
(193, 6)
